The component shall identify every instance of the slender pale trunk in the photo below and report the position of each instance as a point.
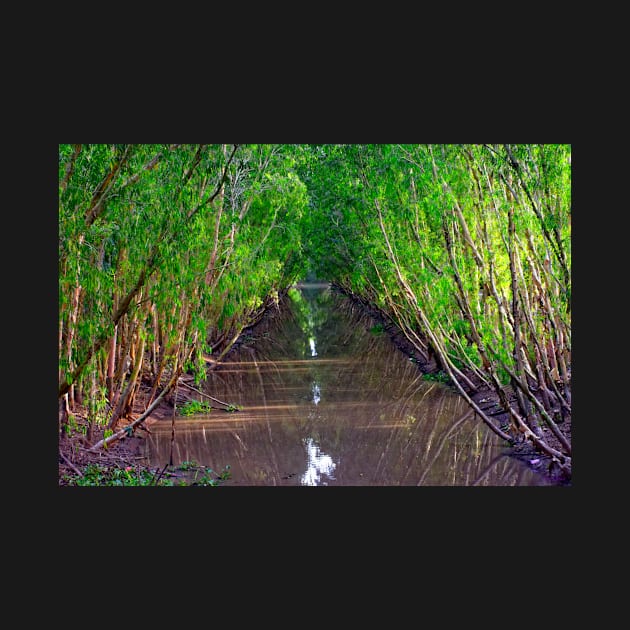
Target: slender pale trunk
(124, 399)
(210, 270)
(69, 170)
(134, 380)
(155, 344)
(111, 365)
(554, 240)
(74, 312)
(407, 330)
(523, 403)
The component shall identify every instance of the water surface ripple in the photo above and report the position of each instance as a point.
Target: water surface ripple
(326, 399)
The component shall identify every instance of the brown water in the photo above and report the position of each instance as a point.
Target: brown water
(327, 399)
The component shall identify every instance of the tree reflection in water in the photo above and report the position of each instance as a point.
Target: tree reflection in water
(327, 401)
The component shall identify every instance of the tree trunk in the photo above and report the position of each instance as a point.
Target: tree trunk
(121, 407)
(126, 430)
(111, 366)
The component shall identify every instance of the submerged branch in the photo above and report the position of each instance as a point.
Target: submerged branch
(204, 394)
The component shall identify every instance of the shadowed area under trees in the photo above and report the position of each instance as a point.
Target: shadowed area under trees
(168, 252)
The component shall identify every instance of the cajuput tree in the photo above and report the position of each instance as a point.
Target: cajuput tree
(468, 249)
(164, 252)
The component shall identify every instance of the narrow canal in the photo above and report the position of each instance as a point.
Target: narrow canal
(325, 398)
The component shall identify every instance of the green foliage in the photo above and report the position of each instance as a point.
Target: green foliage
(193, 407)
(203, 475)
(139, 217)
(439, 377)
(434, 219)
(100, 475)
(72, 426)
(196, 237)
(187, 465)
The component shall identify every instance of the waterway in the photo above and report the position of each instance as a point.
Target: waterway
(324, 398)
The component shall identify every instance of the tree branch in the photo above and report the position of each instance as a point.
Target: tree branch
(125, 431)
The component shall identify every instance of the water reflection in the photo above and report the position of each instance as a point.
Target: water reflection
(316, 393)
(319, 465)
(355, 413)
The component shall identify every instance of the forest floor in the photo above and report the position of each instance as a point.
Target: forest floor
(126, 456)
